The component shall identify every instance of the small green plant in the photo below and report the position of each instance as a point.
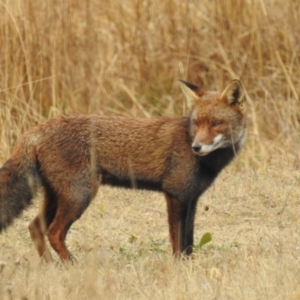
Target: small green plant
(206, 238)
(138, 249)
(132, 239)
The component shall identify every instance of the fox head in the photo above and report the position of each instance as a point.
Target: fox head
(217, 120)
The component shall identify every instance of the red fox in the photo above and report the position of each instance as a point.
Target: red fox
(70, 156)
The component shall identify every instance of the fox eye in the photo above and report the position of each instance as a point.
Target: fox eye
(216, 123)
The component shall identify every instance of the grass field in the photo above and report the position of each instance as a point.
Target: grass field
(124, 58)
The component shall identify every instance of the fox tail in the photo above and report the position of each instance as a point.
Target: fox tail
(19, 181)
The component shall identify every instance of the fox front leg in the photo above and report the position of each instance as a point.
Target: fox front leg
(181, 217)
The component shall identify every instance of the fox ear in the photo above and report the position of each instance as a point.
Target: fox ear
(234, 93)
(190, 91)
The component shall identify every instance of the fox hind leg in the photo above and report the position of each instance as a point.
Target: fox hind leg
(68, 211)
(38, 227)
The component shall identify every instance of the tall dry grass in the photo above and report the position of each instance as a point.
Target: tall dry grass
(124, 57)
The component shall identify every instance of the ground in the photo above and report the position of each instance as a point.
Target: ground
(123, 251)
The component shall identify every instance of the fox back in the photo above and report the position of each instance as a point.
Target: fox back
(72, 155)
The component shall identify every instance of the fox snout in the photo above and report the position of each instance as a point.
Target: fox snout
(202, 149)
(196, 147)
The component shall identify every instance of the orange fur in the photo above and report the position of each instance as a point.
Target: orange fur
(72, 155)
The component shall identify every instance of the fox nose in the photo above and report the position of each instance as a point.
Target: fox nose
(196, 148)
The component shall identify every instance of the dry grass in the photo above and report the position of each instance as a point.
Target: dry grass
(123, 252)
(108, 57)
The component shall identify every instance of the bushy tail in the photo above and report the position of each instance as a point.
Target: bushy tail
(19, 181)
